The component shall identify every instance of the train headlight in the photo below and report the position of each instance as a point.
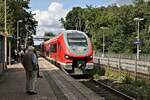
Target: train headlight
(66, 56)
(91, 56)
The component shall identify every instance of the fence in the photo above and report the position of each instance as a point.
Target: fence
(143, 57)
(122, 62)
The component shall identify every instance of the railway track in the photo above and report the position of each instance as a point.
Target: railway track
(100, 88)
(105, 91)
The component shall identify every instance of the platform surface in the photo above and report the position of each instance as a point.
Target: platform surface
(54, 85)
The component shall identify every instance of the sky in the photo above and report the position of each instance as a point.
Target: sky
(48, 12)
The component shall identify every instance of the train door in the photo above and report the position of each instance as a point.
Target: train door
(59, 54)
(56, 54)
(53, 53)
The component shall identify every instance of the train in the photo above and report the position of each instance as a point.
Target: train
(71, 50)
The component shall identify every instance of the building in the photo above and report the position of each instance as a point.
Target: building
(2, 54)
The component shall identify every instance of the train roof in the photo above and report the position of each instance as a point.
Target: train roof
(73, 31)
(54, 39)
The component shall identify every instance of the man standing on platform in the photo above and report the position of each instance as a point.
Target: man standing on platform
(38, 69)
(29, 62)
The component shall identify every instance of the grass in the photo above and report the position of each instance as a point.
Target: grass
(97, 71)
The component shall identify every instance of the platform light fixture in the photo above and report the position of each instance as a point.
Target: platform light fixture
(138, 36)
(19, 21)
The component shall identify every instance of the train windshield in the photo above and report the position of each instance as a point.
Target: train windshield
(76, 39)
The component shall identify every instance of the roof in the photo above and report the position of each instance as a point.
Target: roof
(53, 39)
(73, 31)
(3, 34)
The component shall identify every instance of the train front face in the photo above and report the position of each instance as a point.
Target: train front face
(79, 51)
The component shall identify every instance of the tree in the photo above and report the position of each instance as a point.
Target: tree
(48, 34)
(17, 10)
(122, 29)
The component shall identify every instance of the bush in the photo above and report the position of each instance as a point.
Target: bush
(112, 74)
(126, 79)
(98, 71)
(139, 83)
(128, 89)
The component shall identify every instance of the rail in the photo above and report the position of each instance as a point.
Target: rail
(106, 91)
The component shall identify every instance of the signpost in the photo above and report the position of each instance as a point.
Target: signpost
(138, 42)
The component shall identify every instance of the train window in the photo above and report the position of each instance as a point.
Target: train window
(53, 48)
(47, 53)
(59, 47)
(76, 39)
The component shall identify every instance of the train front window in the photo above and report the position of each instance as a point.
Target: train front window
(77, 43)
(76, 39)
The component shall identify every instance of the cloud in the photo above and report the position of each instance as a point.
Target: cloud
(124, 2)
(48, 21)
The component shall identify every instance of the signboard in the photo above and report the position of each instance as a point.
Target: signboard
(138, 42)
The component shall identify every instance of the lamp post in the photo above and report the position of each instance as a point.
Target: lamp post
(103, 55)
(26, 41)
(19, 21)
(103, 28)
(5, 17)
(138, 36)
(5, 38)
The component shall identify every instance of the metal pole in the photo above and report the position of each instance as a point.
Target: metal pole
(104, 28)
(9, 52)
(17, 35)
(26, 40)
(5, 18)
(138, 38)
(103, 46)
(19, 21)
(5, 39)
(136, 68)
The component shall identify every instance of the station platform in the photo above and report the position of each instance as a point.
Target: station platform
(54, 85)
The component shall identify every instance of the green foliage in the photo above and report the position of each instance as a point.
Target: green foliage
(97, 71)
(17, 10)
(112, 74)
(139, 83)
(121, 29)
(126, 79)
(120, 76)
(128, 89)
(49, 34)
(138, 89)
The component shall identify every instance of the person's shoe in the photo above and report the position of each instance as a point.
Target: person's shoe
(39, 76)
(31, 93)
(28, 92)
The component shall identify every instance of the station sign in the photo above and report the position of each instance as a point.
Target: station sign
(138, 42)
